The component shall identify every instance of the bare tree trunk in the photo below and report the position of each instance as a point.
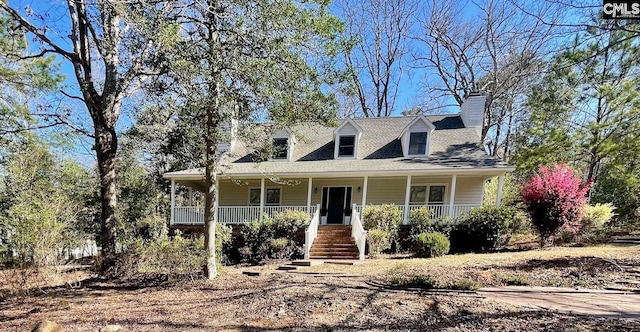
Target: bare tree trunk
(106, 144)
(211, 140)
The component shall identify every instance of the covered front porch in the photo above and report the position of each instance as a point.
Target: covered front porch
(336, 199)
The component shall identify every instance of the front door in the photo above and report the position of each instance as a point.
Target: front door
(338, 200)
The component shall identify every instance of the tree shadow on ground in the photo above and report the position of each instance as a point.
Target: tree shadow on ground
(582, 263)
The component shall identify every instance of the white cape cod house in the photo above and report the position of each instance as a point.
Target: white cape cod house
(435, 161)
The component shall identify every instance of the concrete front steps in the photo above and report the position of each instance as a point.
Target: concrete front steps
(334, 242)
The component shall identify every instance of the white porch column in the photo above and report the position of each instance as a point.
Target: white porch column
(217, 200)
(452, 194)
(173, 201)
(261, 198)
(500, 185)
(309, 190)
(407, 193)
(364, 194)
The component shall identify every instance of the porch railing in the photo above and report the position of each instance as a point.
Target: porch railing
(311, 233)
(194, 215)
(439, 210)
(358, 233)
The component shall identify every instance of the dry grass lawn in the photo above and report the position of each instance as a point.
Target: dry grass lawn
(322, 302)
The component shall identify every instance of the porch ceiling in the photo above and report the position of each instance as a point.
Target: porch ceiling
(195, 184)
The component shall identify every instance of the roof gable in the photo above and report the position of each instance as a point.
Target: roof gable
(417, 122)
(348, 126)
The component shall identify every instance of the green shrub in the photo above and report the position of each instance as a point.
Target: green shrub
(279, 248)
(275, 238)
(224, 237)
(378, 241)
(482, 229)
(151, 227)
(596, 216)
(288, 223)
(386, 217)
(172, 259)
(432, 244)
(420, 221)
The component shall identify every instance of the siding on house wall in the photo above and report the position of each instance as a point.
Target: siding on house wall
(386, 190)
(469, 190)
(381, 190)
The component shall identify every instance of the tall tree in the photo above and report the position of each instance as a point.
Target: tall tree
(21, 81)
(246, 61)
(589, 104)
(108, 59)
(487, 46)
(375, 44)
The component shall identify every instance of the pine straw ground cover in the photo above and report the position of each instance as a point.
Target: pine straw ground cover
(303, 302)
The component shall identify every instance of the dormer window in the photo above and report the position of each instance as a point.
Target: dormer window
(282, 144)
(346, 146)
(346, 138)
(416, 136)
(418, 143)
(280, 147)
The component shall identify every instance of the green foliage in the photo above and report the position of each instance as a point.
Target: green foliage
(420, 221)
(288, 223)
(482, 229)
(619, 184)
(23, 80)
(39, 214)
(596, 216)
(224, 239)
(174, 259)
(276, 238)
(378, 241)
(510, 191)
(139, 196)
(432, 244)
(151, 227)
(586, 112)
(386, 218)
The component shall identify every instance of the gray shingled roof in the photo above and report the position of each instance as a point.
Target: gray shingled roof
(452, 147)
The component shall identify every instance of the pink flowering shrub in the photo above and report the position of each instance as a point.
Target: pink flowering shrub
(554, 198)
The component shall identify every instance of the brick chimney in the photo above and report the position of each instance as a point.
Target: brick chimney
(472, 110)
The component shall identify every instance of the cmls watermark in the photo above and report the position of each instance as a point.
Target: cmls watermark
(621, 9)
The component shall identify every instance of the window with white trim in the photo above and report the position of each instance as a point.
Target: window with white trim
(436, 195)
(418, 195)
(430, 195)
(418, 143)
(272, 196)
(347, 146)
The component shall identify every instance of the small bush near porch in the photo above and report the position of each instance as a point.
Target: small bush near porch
(275, 238)
(484, 229)
(382, 222)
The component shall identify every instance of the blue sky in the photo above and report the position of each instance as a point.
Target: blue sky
(55, 15)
